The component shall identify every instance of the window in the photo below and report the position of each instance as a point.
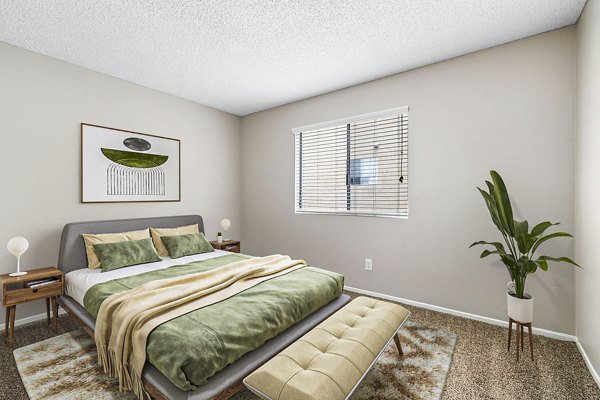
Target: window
(354, 166)
(363, 171)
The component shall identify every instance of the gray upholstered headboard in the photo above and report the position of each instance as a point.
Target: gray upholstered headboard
(72, 249)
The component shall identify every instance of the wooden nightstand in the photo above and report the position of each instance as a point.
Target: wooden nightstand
(15, 292)
(227, 245)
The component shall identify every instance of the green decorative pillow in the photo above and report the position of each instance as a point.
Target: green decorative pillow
(186, 245)
(123, 254)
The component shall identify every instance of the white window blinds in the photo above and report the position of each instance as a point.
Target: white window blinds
(354, 166)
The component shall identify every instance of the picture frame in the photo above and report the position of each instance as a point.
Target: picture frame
(123, 166)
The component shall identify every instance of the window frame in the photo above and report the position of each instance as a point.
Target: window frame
(344, 121)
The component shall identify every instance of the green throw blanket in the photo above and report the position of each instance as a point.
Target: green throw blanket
(191, 348)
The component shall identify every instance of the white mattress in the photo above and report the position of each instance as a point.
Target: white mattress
(79, 281)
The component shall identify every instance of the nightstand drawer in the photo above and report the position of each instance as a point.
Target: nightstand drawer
(16, 296)
(232, 248)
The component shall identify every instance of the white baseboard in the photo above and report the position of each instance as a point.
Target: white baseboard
(33, 318)
(493, 321)
(588, 363)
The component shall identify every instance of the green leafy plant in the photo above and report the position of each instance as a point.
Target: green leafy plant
(219, 234)
(521, 244)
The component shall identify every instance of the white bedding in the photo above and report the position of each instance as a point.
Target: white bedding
(79, 281)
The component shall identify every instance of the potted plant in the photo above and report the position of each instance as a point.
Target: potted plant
(519, 254)
(219, 238)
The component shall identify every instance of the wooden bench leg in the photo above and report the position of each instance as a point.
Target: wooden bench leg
(397, 341)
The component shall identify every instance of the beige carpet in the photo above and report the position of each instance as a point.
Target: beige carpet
(64, 367)
(480, 369)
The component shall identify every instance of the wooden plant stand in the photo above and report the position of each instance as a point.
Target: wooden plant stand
(520, 335)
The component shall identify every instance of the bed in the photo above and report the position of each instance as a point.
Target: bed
(224, 383)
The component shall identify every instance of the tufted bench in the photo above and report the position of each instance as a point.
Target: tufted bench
(330, 361)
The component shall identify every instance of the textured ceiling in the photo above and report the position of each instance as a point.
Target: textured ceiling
(244, 56)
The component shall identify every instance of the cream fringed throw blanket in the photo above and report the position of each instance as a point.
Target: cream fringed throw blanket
(126, 319)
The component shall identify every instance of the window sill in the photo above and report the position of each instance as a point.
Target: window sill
(353, 214)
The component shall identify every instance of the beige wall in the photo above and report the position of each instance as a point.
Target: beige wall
(587, 195)
(42, 103)
(510, 108)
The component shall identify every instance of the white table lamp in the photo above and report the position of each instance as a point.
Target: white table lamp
(17, 246)
(225, 224)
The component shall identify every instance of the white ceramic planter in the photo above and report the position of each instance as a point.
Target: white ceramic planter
(219, 239)
(520, 309)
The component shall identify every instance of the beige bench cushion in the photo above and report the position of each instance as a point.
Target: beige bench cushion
(330, 360)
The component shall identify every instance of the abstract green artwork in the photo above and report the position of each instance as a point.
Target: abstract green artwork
(120, 165)
(134, 160)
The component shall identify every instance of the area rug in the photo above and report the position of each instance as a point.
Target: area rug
(65, 367)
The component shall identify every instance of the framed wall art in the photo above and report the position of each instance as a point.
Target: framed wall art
(125, 166)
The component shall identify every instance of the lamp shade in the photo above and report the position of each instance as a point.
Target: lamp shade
(225, 224)
(17, 246)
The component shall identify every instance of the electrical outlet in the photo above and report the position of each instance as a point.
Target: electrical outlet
(368, 264)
